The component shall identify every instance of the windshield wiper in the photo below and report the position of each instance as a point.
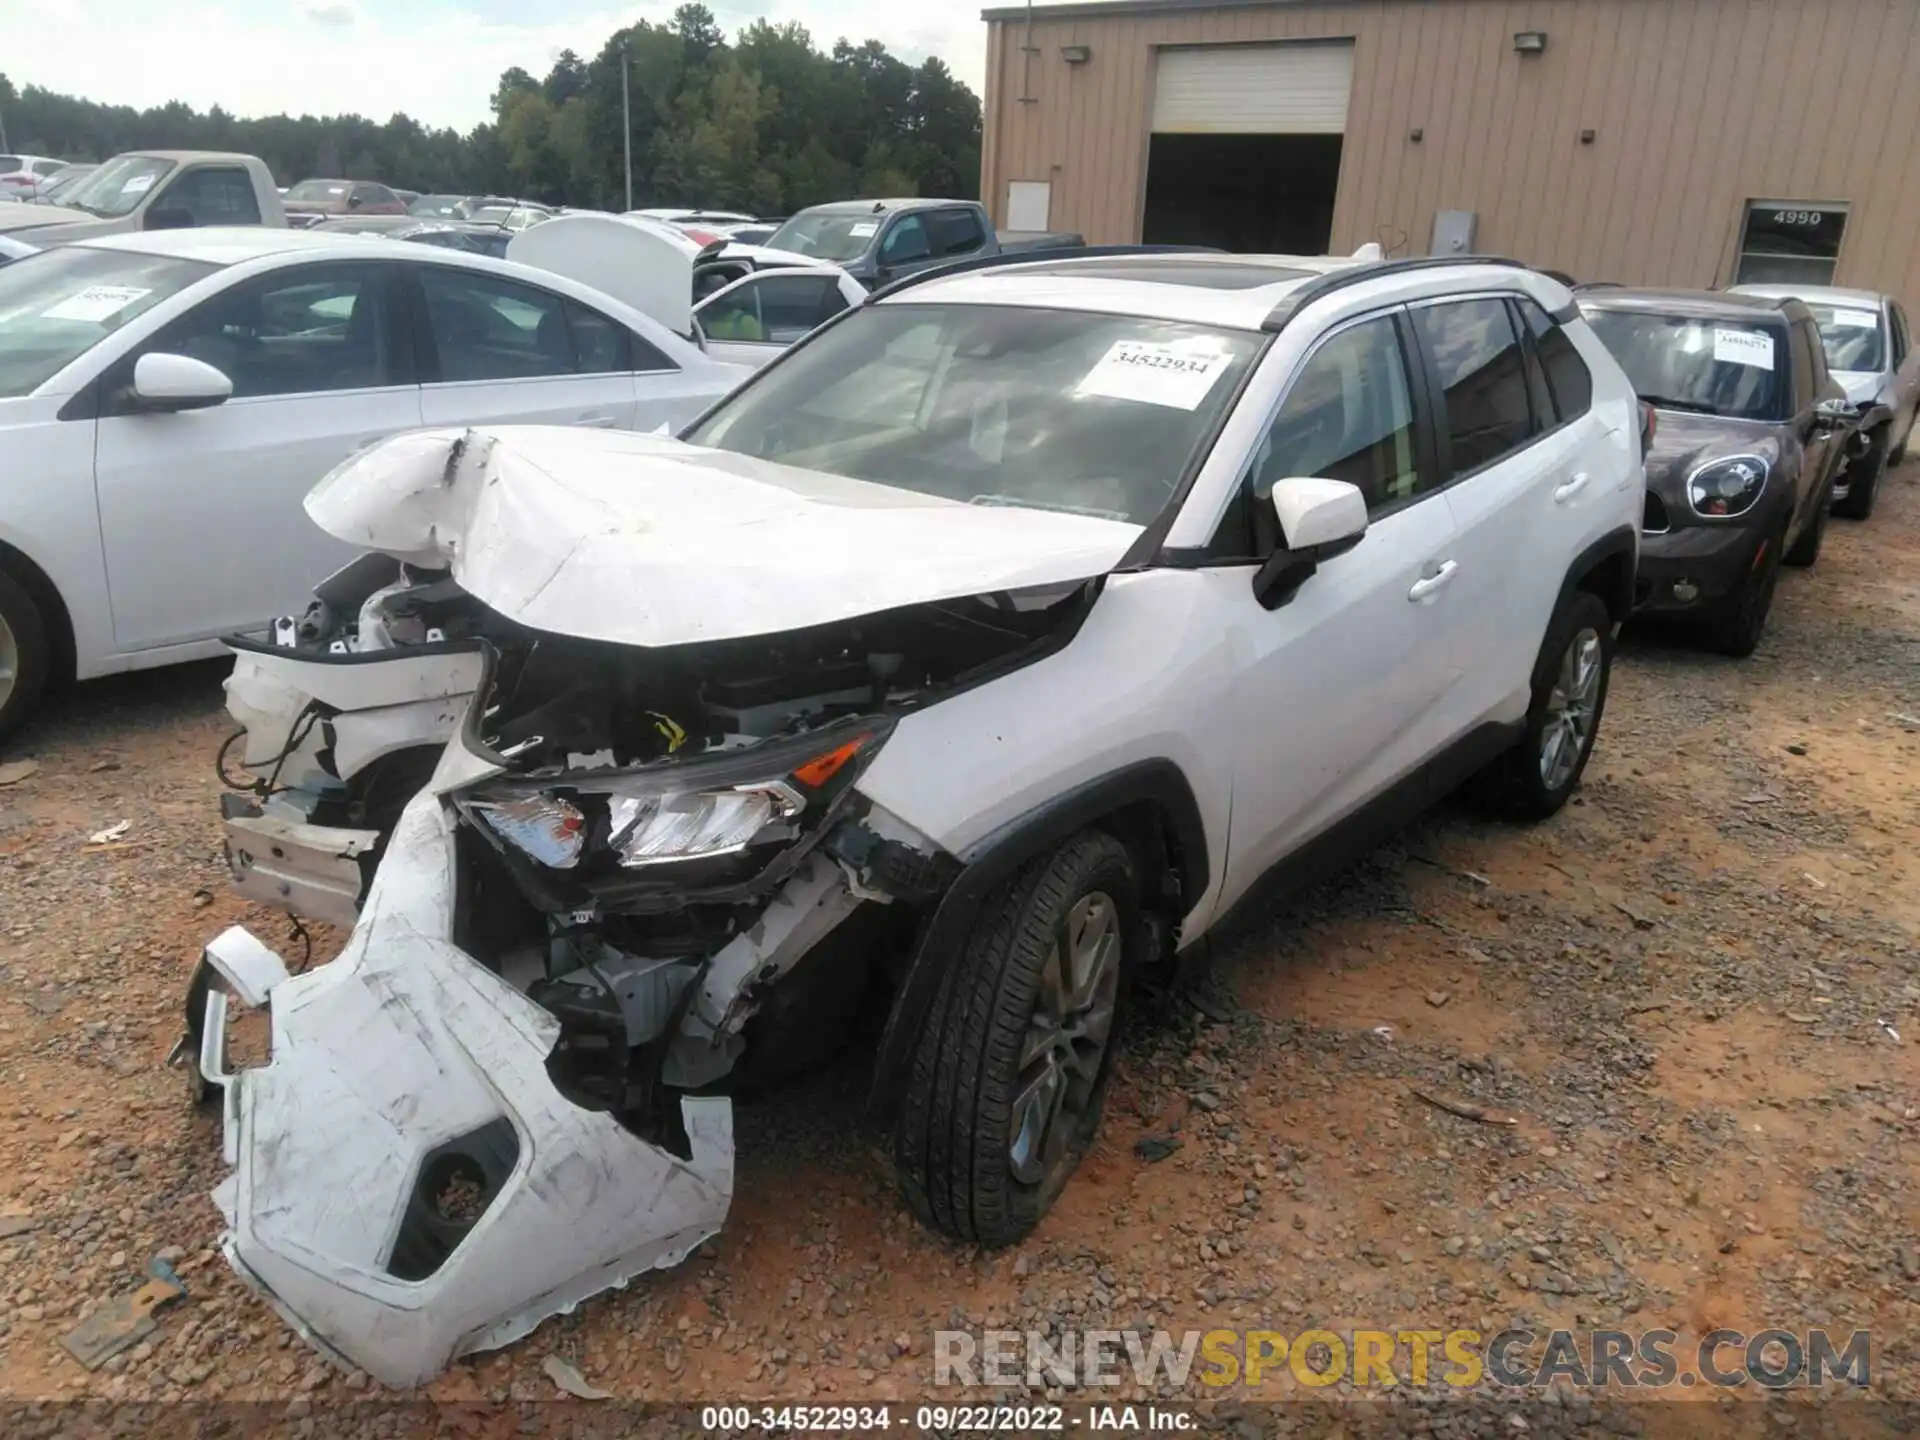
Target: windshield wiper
(1662, 402)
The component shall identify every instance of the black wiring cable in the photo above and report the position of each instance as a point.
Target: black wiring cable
(299, 932)
(220, 764)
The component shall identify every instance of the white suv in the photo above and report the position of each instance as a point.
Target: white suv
(994, 644)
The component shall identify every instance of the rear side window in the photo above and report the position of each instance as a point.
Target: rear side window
(599, 345)
(957, 232)
(214, 195)
(1568, 382)
(1477, 358)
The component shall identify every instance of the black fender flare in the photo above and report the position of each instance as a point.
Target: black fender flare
(993, 860)
(1615, 543)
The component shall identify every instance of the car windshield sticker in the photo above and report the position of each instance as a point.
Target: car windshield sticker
(864, 229)
(1856, 319)
(137, 184)
(1178, 377)
(1743, 347)
(95, 303)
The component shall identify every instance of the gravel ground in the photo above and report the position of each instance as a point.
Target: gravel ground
(1684, 991)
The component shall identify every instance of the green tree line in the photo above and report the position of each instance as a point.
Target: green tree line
(766, 123)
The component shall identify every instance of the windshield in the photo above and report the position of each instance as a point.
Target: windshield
(830, 237)
(117, 186)
(56, 305)
(1852, 335)
(66, 182)
(318, 190)
(991, 405)
(1679, 362)
(442, 206)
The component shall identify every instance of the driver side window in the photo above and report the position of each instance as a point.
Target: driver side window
(906, 242)
(1348, 416)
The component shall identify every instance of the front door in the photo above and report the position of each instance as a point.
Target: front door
(1339, 689)
(201, 514)
(754, 319)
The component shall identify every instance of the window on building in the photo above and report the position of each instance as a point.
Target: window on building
(1790, 243)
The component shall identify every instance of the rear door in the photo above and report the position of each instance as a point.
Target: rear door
(1520, 452)
(201, 517)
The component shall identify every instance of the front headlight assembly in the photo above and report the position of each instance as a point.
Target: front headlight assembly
(707, 819)
(1728, 486)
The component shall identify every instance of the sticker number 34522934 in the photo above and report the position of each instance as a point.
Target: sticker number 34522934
(1743, 347)
(1151, 374)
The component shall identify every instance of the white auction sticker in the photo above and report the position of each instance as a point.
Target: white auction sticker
(1743, 347)
(138, 184)
(1856, 319)
(1170, 375)
(95, 303)
(864, 229)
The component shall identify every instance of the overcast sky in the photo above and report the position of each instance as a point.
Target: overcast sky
(435, 59)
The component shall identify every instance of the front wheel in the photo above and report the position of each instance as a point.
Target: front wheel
(1737, 632)
(24, 658)
(1863, 479)
(1010, 1070)
(1534, 779)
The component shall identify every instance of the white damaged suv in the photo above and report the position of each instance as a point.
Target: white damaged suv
(996, 643)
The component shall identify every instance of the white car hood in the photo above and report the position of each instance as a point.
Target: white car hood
(643, 540)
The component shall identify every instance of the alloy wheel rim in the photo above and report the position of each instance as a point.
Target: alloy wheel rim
(9, 662)
(1570, 709)
(1066, 1039)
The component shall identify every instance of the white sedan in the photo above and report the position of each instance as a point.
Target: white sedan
(168, 398)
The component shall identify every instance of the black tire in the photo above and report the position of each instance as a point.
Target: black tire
(1737, 630)
(1806, 550)
(23, 652)
(1863, 485)
(955, 1132)
(1517, 785)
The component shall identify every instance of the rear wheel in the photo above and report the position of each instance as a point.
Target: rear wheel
(1010, 1071)
(1738, 630)
(24, 658)
(1534, 779)
(1863, 478)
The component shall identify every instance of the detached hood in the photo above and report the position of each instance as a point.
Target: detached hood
(1683, 442)
(643, 540)
(643, 263)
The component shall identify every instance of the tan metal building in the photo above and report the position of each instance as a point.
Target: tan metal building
(1686, 142)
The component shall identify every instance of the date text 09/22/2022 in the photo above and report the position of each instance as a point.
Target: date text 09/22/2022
(943, 1419)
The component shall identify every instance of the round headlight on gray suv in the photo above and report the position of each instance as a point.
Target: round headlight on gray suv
(1727, 486)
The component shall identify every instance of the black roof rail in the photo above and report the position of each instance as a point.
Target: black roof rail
(1599, 285)
(1035, 257)
(1324, 285)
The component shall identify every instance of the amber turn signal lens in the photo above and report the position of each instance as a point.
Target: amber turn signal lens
(822, 768)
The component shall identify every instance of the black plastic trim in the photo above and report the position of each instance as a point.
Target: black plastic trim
(1336, 280)
(1623, 541)
(309, 655)
(994, 859)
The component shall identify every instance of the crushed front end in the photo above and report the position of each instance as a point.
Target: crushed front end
(639, 881)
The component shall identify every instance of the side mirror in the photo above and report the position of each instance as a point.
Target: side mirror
(169, 217)
(1834, 415)
(353, 202)
(164, 383)
(1319, 519)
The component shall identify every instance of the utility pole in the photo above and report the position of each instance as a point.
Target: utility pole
(626, 123)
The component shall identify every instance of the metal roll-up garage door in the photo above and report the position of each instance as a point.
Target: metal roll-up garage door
(1288, 89)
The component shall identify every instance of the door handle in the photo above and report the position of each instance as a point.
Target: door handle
(1431, 584)
(1572, 488)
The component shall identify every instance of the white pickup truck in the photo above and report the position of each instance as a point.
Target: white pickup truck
(154, 190)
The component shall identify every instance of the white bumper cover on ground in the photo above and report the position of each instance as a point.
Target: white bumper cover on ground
(384, 1058)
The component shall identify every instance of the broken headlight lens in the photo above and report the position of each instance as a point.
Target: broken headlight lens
(691, 825)
(544, 826)
(722, 809)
